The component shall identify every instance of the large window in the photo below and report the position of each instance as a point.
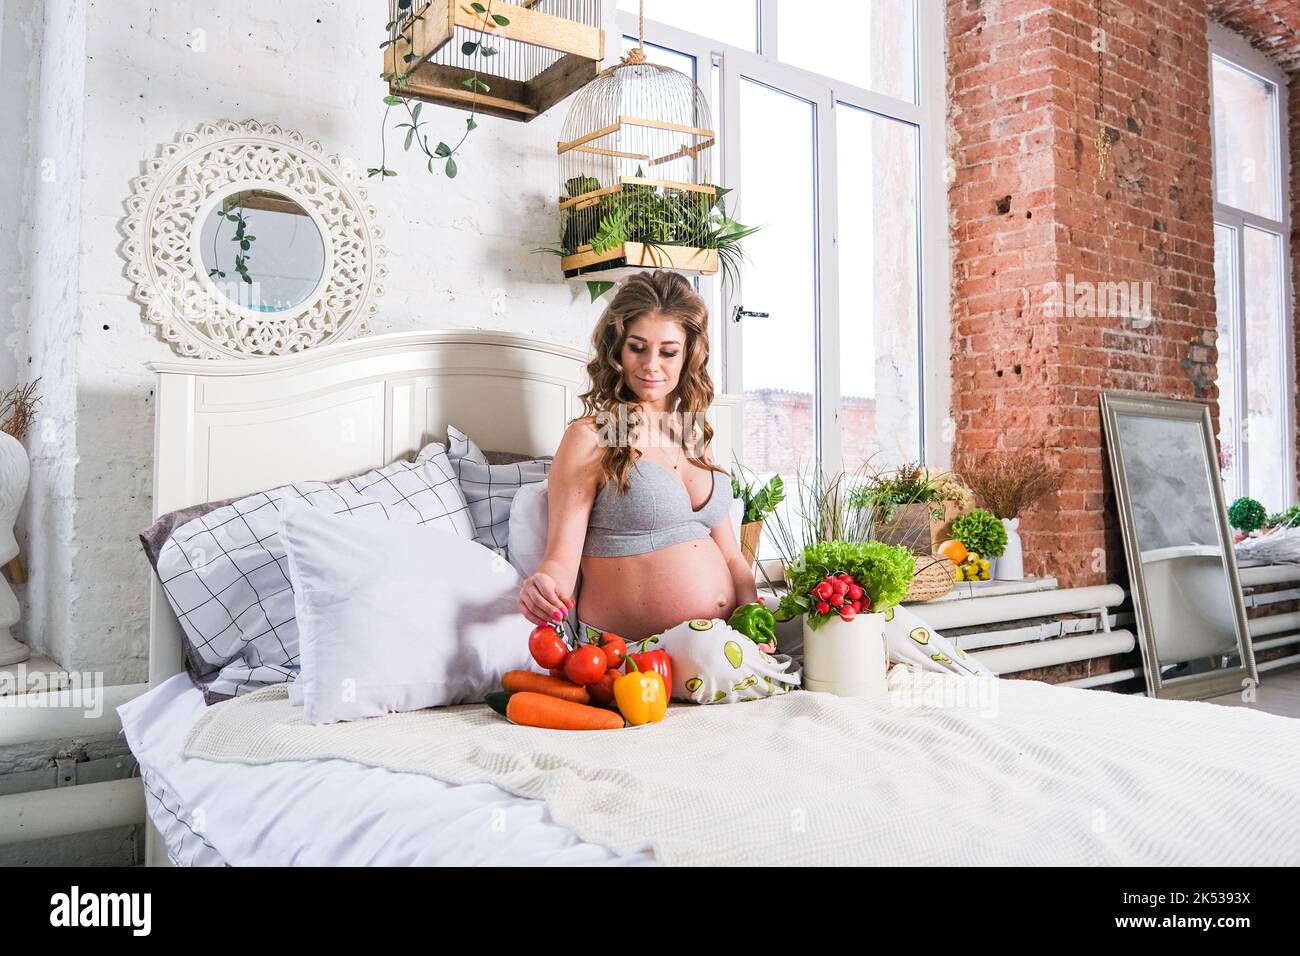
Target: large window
(1252, 266)
(831, 133)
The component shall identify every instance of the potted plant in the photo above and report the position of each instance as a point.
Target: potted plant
(680, 230)
(1246, 515)
(823, 538)
(984, 537)
(845, 591)
(902, 505)
(758, 504)
(1008, 485)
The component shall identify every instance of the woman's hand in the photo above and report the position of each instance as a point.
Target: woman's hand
(542, 601)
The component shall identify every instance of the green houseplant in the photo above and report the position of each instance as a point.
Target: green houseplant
(760, 500)
(655, 217)
(981, 533)
(903, 505)
(1247, 515)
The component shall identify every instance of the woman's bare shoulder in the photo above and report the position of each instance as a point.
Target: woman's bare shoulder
(581, 442)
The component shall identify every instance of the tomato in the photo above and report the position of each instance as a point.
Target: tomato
(615, 649)
(586, 665)
(547, 646)
(602, 692)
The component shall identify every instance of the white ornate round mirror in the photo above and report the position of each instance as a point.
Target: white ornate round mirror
(244, 240)
(262, 250)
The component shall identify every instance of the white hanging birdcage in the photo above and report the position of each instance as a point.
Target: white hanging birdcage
(543, 51)
(635, 164)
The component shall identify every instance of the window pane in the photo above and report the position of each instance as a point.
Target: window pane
(1265, 416)
(778, 191)
(880, 414)
(1225, 287)
(734, 22)
(1245, 140)
(871, 45)
(682, 62)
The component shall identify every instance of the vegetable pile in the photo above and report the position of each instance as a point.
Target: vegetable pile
(585, 689)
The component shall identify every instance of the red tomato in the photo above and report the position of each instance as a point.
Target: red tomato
(586, 665)
(558, 670)
(547, 646)
(602, 692)
(615, 649)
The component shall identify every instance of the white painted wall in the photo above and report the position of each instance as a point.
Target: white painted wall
(460, 255)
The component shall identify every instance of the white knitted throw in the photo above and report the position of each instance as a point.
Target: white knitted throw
(1033, 774)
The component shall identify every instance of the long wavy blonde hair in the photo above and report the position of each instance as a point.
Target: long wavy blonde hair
(671, 295)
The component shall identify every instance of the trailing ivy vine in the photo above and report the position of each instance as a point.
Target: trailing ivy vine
(235, 214)
(403, 26)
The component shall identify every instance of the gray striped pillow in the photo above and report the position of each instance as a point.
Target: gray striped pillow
(489, 489)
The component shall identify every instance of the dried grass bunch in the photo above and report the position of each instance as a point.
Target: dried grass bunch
(1010, 483)
(18, 409)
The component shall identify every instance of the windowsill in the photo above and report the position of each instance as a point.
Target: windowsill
(962, 590)
(9, 676)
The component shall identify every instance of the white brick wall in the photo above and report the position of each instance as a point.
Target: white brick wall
(460, 256)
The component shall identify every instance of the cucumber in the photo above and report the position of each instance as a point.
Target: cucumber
(498, 700)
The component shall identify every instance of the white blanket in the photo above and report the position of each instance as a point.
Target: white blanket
(947, 770)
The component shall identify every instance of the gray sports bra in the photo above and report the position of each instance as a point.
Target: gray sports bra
(655, 512)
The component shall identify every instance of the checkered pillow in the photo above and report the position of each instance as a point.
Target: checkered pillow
(226, 576)
(489, 489)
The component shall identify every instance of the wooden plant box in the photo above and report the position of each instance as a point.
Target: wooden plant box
(621, 261)
(583, 47)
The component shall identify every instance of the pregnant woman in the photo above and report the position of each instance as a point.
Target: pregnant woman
(639, 513)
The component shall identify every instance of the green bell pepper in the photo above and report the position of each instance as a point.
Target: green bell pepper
(756, 622)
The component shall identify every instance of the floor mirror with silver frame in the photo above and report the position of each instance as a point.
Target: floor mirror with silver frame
(1187, 600)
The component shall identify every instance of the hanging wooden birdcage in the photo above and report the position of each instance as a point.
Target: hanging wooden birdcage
(544, 51)
(635, 165)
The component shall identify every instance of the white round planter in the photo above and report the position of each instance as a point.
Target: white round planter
(1010, 565)
(14, 473)
(847, 659)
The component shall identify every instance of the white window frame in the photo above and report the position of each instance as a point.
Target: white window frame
(1233, 48)
(934, 256)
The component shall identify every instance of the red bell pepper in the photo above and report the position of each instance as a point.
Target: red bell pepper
(647, 660)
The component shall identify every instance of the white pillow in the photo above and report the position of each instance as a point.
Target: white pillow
(224, 576)
(397, 617)
(529, 521)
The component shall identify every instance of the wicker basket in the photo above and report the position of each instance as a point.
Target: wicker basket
(935, 577)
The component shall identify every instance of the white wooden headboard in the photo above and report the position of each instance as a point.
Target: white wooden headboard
(235, 427)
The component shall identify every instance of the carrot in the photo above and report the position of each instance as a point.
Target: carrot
(540, 710)
(516, 681)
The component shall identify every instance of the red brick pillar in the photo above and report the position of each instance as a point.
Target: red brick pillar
(1071, 278)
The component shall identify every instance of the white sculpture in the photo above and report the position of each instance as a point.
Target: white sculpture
(14, 473)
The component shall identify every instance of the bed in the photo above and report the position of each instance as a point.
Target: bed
(227, 428)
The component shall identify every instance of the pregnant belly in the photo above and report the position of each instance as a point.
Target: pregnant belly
(644, 594)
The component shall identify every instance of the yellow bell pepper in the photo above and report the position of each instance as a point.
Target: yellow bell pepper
(641, 696)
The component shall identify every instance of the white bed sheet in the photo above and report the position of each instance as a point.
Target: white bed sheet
(330, 812)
